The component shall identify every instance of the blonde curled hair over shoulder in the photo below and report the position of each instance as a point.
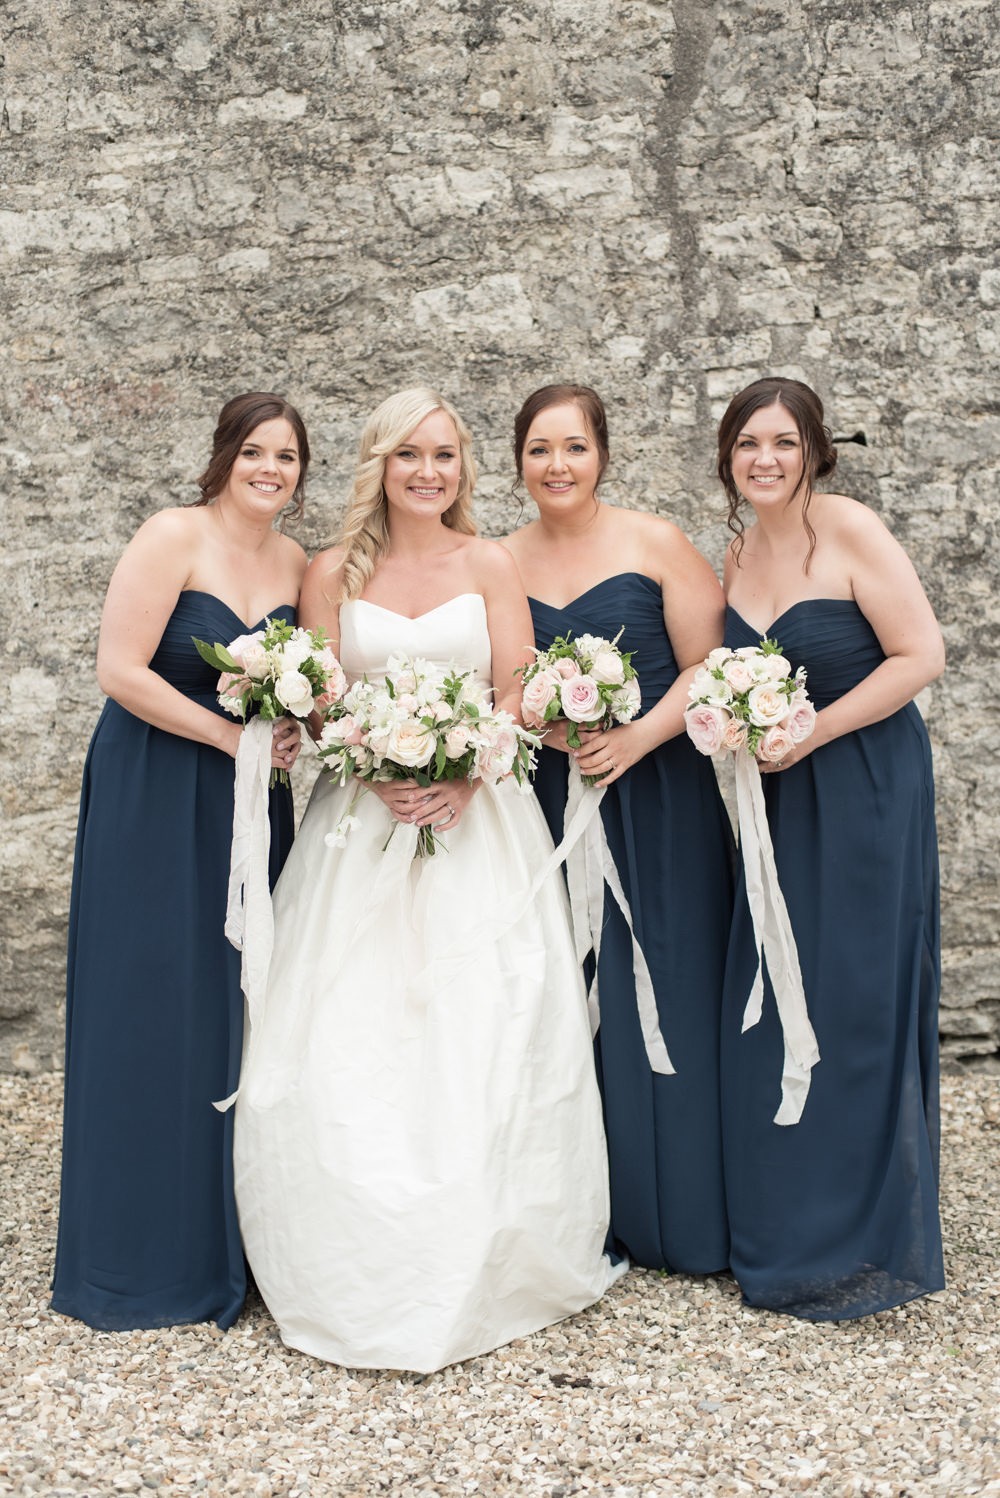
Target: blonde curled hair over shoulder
(364, 536)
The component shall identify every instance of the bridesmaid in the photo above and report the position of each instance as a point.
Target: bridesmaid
(589, 568)
(835, 1216)
(147, 1228)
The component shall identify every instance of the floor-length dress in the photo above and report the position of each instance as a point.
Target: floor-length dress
(420, 1165)
(670, 838)
(837, 1216)
(148, 1234)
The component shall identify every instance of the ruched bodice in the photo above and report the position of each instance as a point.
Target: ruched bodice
(829, 636)
(669, 837)
(207, 617)
(629, 599)
(370, 634)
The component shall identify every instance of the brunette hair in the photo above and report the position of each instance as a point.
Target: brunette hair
(237, 419)
(819, 456)
(590, 404)
(365, 533)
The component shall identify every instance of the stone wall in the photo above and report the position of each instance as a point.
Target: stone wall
(333, 198)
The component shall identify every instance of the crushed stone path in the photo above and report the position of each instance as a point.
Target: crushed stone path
(668, 1387)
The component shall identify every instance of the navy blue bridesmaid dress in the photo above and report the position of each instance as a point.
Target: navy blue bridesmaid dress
(669, 835)
(148, 1234)
(837, 1216)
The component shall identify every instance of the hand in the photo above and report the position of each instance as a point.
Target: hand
(608, 752)
(439, 806)
(553, 735)
(286, 741)
(793, 757)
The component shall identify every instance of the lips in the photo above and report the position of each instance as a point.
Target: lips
(263, 487)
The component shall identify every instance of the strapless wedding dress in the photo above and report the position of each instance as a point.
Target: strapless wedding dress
(421, 1172)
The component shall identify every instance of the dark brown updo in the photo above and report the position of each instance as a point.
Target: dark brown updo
(590, 404)
(819, 456)
(237, 419)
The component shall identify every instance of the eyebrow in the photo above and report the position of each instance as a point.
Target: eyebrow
(565, 439)
(779, 434)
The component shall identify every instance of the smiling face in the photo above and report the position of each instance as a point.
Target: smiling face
(266, 469)
(560, 459)
(422, 473)
(767, 460)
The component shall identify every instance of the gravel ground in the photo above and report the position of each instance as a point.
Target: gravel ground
(669, 1386)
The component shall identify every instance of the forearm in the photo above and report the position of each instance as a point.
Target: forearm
(146, 695)
(887, 689)
(666, 720)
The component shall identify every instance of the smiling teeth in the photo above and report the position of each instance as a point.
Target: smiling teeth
(266, 488)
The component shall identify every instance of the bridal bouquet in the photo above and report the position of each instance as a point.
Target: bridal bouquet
(749, 699)
(275, 671)
(747, 702)
(587, 681)
(426, 723)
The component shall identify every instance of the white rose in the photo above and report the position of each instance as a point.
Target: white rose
(411, 744)
(456, 741)
(294, 692)
(766, 705)
(709, 688)
(778, 667)
(739, 674)
(607, 667)
(589, 645)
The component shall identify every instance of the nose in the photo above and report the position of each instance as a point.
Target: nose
(557, 461)
(765, 456)
(425, 466)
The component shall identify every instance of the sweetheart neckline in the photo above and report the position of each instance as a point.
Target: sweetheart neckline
(764, 633)
(560, 608)
(203, 593)
(415, 618)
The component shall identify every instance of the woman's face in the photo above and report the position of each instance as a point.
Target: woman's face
(767, 459)
(266, 471)
(561, 461)
(422, 474)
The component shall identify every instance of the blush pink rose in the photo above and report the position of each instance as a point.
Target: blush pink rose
(581, 699)
(735, 735)
(776, 745)
(538, 693)
(565, 667)
(706, 727)
(738, 674)
(801, 721)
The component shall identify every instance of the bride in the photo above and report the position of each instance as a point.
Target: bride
(420, 1161)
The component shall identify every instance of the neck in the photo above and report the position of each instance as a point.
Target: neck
(572, 525)
(239, 531)
(412, 537)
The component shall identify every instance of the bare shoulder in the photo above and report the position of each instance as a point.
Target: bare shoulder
(519, 541)
(178, 524)
(291, 552)
(492, 562)
(853, 524)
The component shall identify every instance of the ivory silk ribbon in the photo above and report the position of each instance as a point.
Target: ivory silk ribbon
(589, 866)
(774, 939)
(249, 917)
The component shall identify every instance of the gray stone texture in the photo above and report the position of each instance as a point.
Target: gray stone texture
(334, 199)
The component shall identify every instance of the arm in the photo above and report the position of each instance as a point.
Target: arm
(142, 594)
(143, 591)
(693, 612)
(889, 594)
(319, 608)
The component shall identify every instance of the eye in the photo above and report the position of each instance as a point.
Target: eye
(536, 452)
(788, 442)
(577, 447)
(404, 452)
(445, 457)
(249, 452)
(289, 457)
(746, 442)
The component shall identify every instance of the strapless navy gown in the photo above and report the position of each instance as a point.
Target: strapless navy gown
(837, 1215)
(148, 1234)
(669, 835)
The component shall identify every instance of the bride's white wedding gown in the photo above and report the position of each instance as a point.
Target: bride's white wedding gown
(420, 1161)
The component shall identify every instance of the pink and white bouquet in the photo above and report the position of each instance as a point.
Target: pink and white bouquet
(423, 722)
(587, 682)
(278, 671)
(748, 699)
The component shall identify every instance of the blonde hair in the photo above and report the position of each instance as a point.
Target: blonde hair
(364, 537)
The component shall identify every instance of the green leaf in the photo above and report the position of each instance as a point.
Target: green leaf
(216, 655)
(440, 758)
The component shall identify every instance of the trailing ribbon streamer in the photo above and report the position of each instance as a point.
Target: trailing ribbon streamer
(249, 918)
(774, 939)
(589, 866)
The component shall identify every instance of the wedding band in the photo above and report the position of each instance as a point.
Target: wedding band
(451, 811)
